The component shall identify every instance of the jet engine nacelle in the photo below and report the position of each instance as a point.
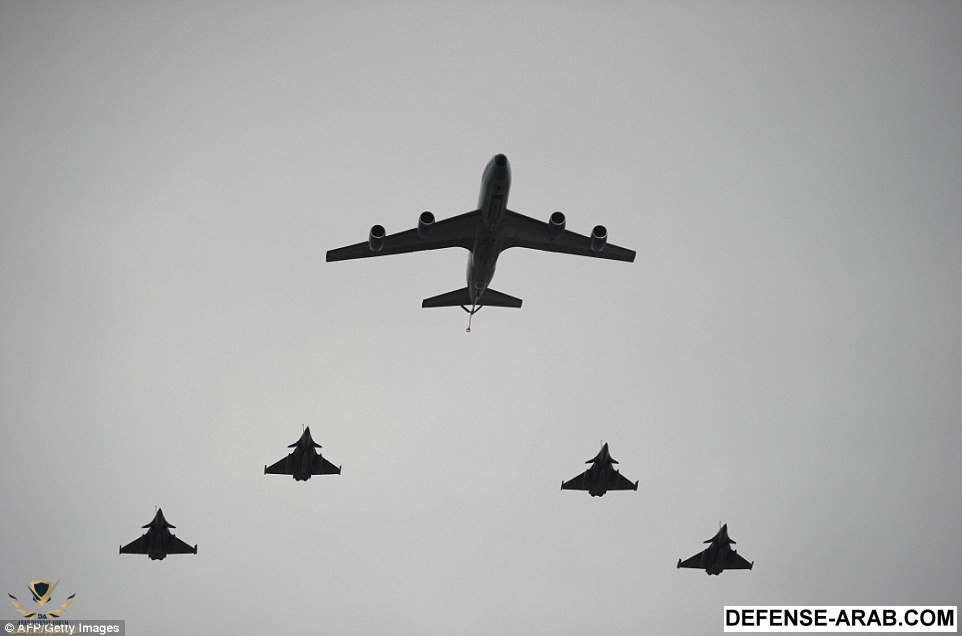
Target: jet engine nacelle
(425, 223)
(599, 238)
(556, 224)
(375, 239)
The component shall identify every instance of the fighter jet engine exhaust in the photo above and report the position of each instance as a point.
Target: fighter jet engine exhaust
(599, 238)
(556, 224)
(425, 223)
(376, 239)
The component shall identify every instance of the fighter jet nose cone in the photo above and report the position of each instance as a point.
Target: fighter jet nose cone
(500, 161)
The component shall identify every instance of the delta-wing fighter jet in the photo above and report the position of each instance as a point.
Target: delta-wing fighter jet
(485, 233)
(718, 556)
(601, 477)
(303, 461)
(158, 541)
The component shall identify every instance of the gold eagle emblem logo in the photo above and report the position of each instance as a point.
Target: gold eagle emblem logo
(41, 592)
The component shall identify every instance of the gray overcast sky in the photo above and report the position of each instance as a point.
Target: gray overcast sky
(785, 354)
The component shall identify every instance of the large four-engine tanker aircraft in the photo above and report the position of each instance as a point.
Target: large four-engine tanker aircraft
(485, 233)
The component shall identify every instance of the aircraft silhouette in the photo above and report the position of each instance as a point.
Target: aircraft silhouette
(303, 461)
(718, 556)
(601, 477)
(158, 541)
(485, 232)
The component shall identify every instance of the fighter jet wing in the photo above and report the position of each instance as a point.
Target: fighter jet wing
(737, 562)
(179, 547)
(620, 482)
(323, 467)
(523, 231)
(457, 231)
(278, 468)
(693, 562)
(137, 546)
(576, 483)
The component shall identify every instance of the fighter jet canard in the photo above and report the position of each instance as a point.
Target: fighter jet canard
(485, 233)
(718, 556)
(303, 461)
(601, 477)
(158, 541)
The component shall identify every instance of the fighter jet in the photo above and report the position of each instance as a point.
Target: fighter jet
(485, 232)
(718, 556)
(158, 541)
(303, 461)
(601, 477)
